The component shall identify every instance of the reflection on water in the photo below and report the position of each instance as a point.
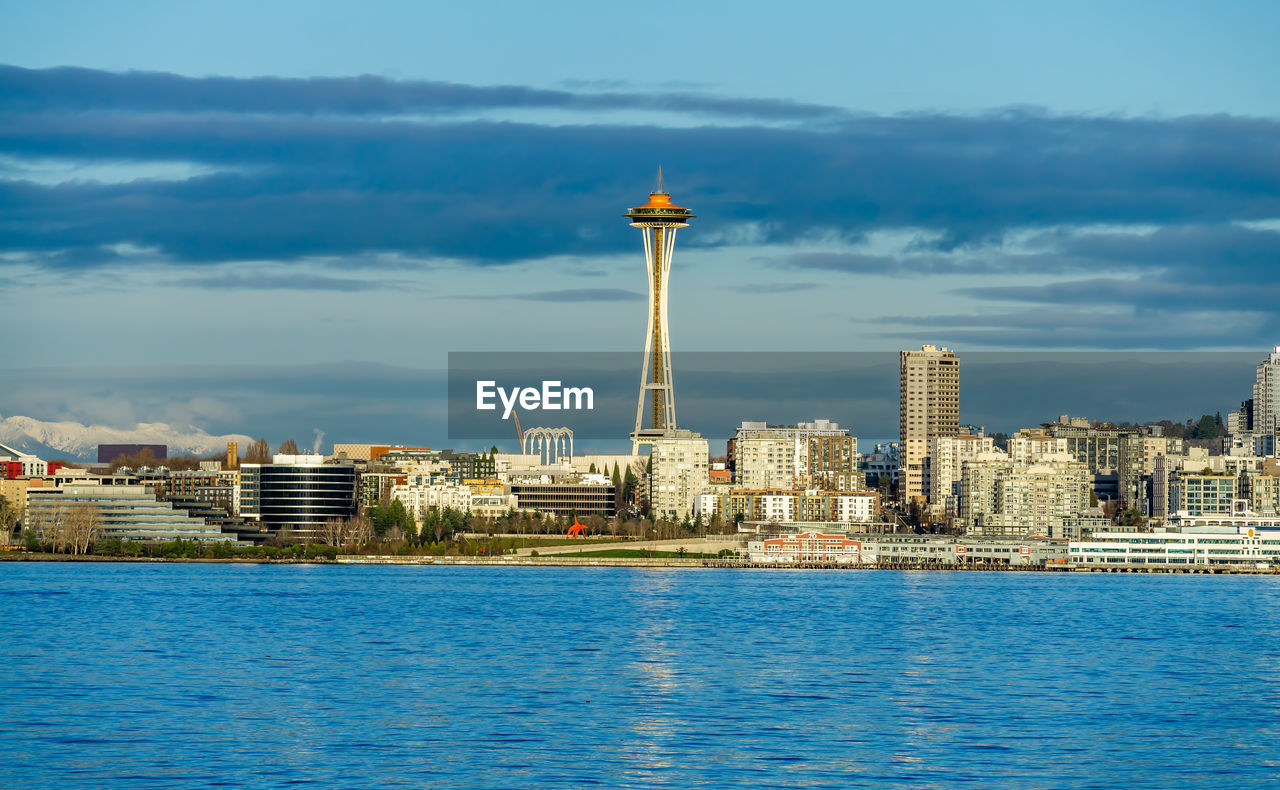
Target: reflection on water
(200, 676)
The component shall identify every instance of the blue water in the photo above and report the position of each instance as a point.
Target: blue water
(127, 675)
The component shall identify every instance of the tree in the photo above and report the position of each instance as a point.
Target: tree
(49, 524)
(333, 531)
(358, 530)
(288, 447)
(83, 526)
(592, 470)
(258, 453)
(398, 517)
(8, 519)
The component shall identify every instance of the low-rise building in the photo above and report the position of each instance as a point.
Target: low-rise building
(1241, 541)
(906, 550)
(127, 512)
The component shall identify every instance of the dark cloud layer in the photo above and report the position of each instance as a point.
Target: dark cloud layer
(315, 168)
(78, 89)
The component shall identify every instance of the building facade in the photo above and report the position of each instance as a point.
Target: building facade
(680, 462)
(929, 407)
(295, 495)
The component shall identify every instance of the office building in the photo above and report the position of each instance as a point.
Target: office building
(127, 512)
(296, 494)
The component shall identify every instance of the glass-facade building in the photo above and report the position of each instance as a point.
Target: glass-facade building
(293, 501)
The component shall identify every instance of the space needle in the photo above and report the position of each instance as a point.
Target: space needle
(658, 221)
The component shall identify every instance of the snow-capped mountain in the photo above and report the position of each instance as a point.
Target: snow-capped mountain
(76, 441)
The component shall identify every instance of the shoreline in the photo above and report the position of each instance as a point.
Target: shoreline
(511, 561)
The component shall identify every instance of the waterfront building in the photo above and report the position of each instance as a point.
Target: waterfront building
(296, 494)
(807, 547)
(375, 487)
(925, 550)
(929, 406)
(1241, 541)
(421, 499)
(680, 463)
(182, 484)
(1108, 451)
(127, 512)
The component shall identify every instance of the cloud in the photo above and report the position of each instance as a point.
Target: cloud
(79, 89)
(774, 288)
(1087, 324)
(296, 281)
(290, 170)
(567, 295)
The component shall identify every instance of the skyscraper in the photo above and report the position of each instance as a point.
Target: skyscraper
(1266, 395)
(658, 220)
(929, 406)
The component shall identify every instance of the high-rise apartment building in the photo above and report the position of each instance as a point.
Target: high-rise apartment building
(947, 455)
(929, 406)
(679, 474)
(1000, 497)
(1266, 395)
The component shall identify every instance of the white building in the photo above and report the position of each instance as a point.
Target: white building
(707, 505)
(31, 465)
(947, 455)
(419, 499)
(1002, 498)
(854, 508)
(681, 463)
(817, 453)
(1246, 541)
(1029, 448)
(777, 507)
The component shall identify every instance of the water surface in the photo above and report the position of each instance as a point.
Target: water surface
(177, 675)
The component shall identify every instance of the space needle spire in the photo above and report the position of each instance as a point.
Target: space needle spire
(658, 221)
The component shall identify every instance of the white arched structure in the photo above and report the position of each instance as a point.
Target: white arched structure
(550, 444)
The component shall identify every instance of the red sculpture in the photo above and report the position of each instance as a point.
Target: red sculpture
(577, 530)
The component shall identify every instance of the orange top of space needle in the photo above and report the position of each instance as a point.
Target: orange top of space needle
(659, 210)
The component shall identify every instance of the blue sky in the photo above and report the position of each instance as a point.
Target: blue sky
(365, 187)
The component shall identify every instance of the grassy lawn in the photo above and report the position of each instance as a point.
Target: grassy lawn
(536, 541)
